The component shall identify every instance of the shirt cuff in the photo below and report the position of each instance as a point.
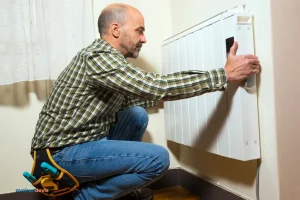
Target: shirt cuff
(218, 79)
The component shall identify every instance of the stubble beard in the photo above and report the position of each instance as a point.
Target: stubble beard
(132, 50)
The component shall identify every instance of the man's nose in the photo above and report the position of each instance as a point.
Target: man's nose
(143, 39)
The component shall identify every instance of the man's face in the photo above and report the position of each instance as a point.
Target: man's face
(132, 37)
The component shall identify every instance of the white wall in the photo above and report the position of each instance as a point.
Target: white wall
(237, 176)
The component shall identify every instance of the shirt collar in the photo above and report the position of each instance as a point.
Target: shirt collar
(107, 47)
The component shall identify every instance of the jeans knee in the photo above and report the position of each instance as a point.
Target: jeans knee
(165, 160)
(140, 115)
(162, 157)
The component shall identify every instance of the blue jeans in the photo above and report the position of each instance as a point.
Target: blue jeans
(118, 164)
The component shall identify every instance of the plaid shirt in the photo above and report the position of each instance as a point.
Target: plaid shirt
(97, 84)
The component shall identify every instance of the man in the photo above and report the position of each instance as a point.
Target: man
(93, 121)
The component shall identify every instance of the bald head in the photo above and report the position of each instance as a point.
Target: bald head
(114, 13)
(122, 26)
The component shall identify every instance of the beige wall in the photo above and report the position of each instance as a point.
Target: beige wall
(20, 105)
(237, 176)
(286, 43)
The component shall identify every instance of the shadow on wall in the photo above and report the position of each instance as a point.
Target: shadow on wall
(208, 135)
(17, 94)
(211, 165)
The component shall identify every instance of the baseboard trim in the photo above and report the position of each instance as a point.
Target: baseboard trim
(173, 177)
(197, 186)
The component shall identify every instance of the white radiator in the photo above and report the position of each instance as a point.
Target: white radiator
(224, 123)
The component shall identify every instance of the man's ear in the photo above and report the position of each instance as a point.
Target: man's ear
(116, 30)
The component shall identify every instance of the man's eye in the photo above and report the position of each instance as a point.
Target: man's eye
(140, 30)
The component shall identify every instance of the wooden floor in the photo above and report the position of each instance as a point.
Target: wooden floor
(173, 193)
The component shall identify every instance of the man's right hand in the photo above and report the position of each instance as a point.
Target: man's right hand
(238, 68)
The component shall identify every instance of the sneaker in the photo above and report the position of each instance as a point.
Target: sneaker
(138, 194)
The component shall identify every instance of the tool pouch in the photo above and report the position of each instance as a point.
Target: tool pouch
(47, 184)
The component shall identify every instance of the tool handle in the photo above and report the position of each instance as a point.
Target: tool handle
(50, 169)
(29, 177)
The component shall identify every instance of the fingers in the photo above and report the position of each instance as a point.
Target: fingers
(233, 49)
(255, 69)
(253, 61)
(250, 60)
(250, 56)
